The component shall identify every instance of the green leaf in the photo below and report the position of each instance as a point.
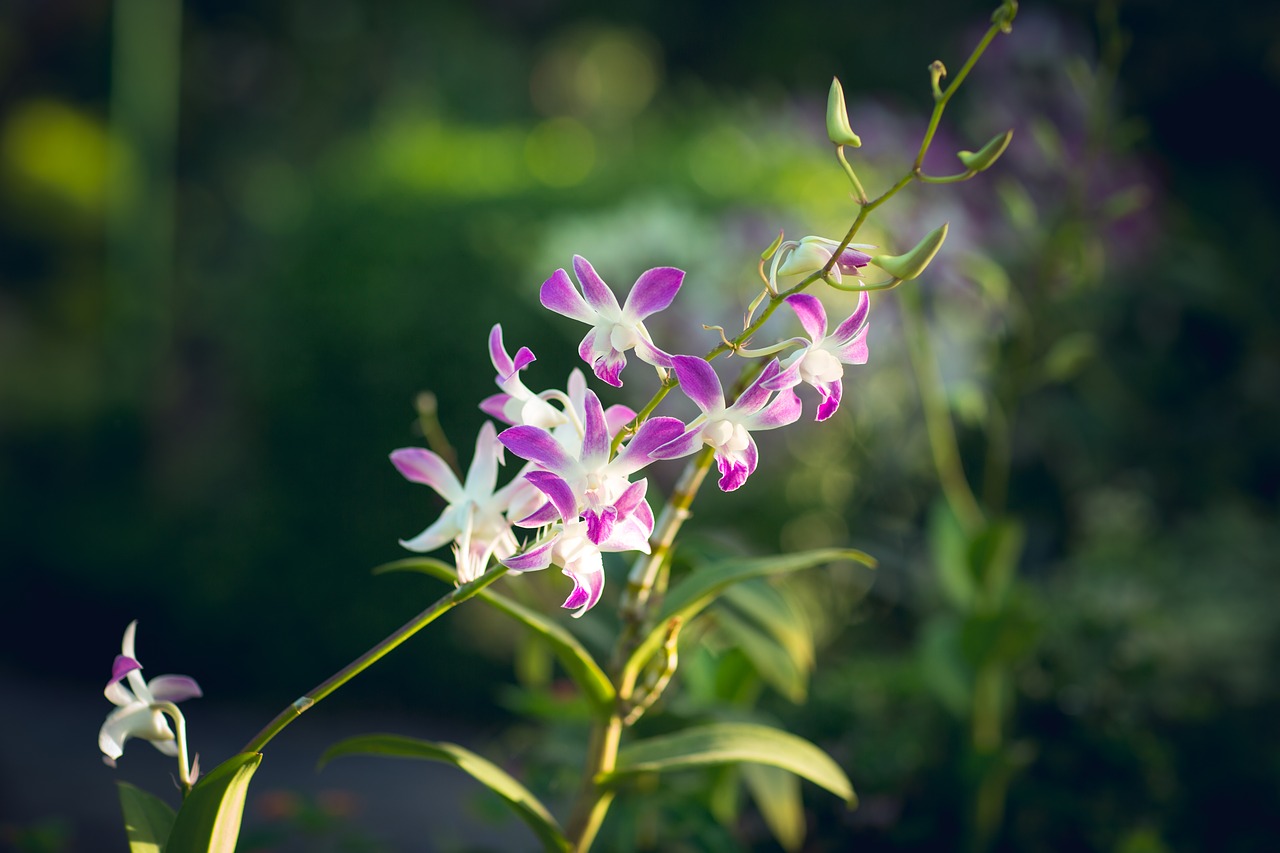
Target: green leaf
(769, 659)
(147, 819)
(950, 547)
(526, 805)
(573, 656)
(209, 820)
(776, 613)
(733, 743)
(692, 595)
(777, 795)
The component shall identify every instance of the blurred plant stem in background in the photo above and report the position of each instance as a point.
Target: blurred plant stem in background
(146, 73)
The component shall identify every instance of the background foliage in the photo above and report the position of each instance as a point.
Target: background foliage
(214, 324)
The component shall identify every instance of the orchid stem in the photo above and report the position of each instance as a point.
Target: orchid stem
(360, 664)
(180, 729)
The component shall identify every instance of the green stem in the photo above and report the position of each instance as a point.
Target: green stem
(937, 413)
(360, 664)
(940, 104)
(180, 726)
(848, 170)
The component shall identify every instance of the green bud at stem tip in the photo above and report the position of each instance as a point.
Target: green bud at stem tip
(936, 72)
(1004, 15)
(910, 265)
(838, 129)
(981, 160)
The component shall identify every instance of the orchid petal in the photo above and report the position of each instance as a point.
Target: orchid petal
(831, 393)
(617, 416)
(536, 445)
(422, 466)
(811, 314)
(652, 434)
(595, 439)
(445, 529)
(559, 295)
(784, 409)
(852, 326)
(699, 382)
(631, 499)
(121, 667)
(650, 354)
(482, 476)
(558, 491)
(608, 367)
(174, 688)
(757, 393)
(652, 292)
(856, 351)
(496, 407)
(598, 294)
(126, 645)
(587, 588)
(685, 444)
(540, 517)
(531, 561)
(600, 524)
(735, 471)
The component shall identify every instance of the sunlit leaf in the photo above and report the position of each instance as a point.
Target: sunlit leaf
(147, 819)
(774, 611)
(777, 795)
(575, 658)
(689, 597)
(209, 820)
(769, 659)
(733, 743)
(525, 804)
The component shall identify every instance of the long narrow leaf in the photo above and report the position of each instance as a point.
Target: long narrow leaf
(147, 819)
(777, 795)
(526, 805)
(733, 743)
(575, 658)
(689, 597)
(209, 820)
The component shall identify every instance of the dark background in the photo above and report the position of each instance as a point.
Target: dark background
(233, 254)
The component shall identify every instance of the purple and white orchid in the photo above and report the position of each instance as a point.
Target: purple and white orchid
(820, 362)
(136, 714)
(475, 519)
(614, 329)
(517, 404)
(728, 429)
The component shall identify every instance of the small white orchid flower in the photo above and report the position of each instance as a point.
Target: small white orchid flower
(142, 707)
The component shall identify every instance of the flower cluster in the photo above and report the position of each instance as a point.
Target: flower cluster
(578, 490)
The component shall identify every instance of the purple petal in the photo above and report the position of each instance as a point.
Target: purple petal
(559, 295)
(544, 514)
(685, 444)
(498, 353)
(784, 409)
(595, 438)
(631, 499)
(618, 416)
(536, 445)
(851, 259)
(531, 561)
(734, 472)
(831, 393)
(608, 367)
(652, 292)
(422, 466)
(558, 491)
(598, 294)
(855, 352)
(600, 524)
(789, 377)
(587, 588)
(811, 313)
(846, 331)
(121, 667)
(174, 688)
(699, 382)
(653, 433)
(496, 407)
(757, 393)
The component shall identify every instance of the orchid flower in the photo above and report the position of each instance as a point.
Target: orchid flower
(517, 404)
(599, 486)
(728, 429)
(813, 253)
(614, 329)
(137, 714)
(570, 545)
(475, 518)
(820, 361)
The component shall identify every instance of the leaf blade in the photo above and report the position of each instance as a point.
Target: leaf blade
(527, 807)
(148, 820)
(733, 743)
(209, 820)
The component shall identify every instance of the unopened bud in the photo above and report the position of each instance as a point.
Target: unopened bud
(773, 247)
(838, 129)
(936, 72)
(981, 160)
(1004, 15)
(910, 265)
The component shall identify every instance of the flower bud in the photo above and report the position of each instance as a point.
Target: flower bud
(773, 247)
(936, 72)
(838, 129)
(981, 160)
(910, 265)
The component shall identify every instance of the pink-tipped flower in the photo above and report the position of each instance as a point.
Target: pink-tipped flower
(728, 429)
(517, 404)
(614, 329)
(820, 362)
(136, 714)
(475, 519)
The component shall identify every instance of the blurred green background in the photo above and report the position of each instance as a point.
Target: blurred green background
(238, 239)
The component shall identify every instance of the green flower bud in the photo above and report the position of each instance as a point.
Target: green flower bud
(773, 247)
(981, 160)
(936, 72)
(910, 265)
(1003, 16)
(838, 129)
